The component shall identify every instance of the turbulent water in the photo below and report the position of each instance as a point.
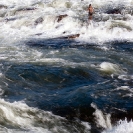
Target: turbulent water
(51, 82)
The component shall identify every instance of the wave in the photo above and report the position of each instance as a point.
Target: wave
(19, 117)
(121, 127)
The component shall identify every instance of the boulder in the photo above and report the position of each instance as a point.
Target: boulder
(60, 17)
(114, 11)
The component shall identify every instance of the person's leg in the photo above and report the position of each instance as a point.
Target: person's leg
(90, 17)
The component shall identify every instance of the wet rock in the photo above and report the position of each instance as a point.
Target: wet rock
(114, 11)
(38, 34)
(24, 10)
(64, 32)
(39, 20)
(70, 36)
(73, 36)
(3, 6)
(60, 17)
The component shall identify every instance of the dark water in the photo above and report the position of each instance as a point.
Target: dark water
(68, 85)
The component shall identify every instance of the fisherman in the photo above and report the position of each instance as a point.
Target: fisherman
(91, 10)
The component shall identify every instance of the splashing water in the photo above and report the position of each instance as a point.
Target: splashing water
(61, 74)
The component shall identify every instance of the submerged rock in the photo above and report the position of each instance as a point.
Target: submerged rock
(114, 11)
(39, 20)
(23, 10)
(60, 17)
(26, 9)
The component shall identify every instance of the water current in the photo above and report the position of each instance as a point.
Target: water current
(52, 82)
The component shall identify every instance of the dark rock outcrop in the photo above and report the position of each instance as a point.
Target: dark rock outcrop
(60, 17)
(71, 36)
(24, 10)
(114, 11)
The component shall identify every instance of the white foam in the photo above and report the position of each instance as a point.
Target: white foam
(31, 120)
(121, 127)
(22, 27)
(111, 68)
(98, 32)
(101, 119)
(128, 91)
(126, 77)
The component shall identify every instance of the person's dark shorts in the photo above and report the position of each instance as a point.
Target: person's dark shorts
(90, 14)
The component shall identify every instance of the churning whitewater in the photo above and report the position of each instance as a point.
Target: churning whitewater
(60, 73)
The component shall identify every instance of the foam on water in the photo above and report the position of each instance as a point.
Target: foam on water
(111, 68)
(104, 121)
(19, 22)
(121, 127)
(128, 92)
(101, 119)
(126, 77)
(22, 21)
(23, 118)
